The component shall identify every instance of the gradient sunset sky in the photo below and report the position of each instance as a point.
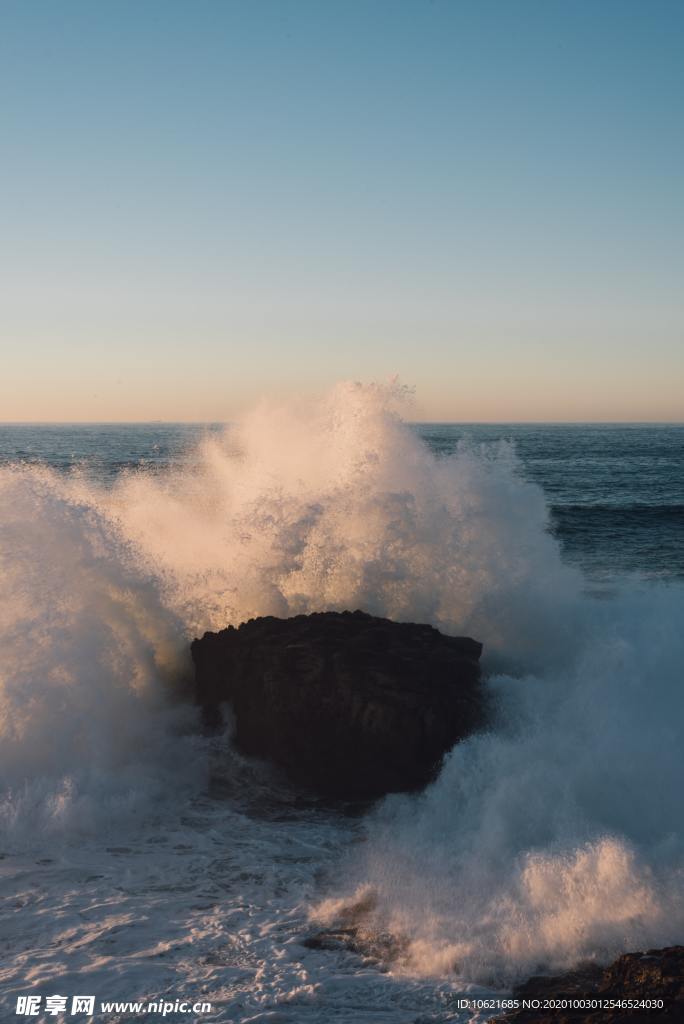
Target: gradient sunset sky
(204, 202)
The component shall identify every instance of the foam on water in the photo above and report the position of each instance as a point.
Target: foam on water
(554, 836)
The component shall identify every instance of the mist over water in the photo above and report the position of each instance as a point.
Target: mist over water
(554, 836)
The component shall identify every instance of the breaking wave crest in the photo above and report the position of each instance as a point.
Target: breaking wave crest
(337, 504)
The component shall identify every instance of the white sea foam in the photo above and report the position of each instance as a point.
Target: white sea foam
(90, 657)
(557, 836)
(554, 836)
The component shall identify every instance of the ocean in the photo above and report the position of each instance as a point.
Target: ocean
(144, 861)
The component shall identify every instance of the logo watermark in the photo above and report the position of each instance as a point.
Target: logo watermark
(54, 1005)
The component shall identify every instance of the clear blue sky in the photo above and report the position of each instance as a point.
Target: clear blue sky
(207, 201)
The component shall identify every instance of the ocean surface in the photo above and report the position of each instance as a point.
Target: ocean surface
(141, 860)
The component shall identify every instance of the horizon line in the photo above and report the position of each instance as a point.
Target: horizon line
(418, 423)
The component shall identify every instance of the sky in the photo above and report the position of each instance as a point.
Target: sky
(210, 201)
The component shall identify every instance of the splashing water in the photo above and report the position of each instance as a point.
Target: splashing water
(338, 505)
(556, 837)
(552, 837)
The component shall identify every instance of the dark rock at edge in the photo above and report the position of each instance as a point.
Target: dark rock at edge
(639, 978)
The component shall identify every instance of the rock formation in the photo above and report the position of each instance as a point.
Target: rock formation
(635, 978)
(349, 705)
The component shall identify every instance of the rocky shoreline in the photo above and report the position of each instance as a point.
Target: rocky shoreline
(637, 987)
(626, 991)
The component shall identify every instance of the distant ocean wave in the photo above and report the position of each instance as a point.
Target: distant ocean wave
(637, 512)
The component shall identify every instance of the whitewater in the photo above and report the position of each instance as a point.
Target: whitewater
(142, 859)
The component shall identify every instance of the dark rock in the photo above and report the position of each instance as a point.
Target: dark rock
(637, 977)
(348, 704)
(380, 949)
(351, 934)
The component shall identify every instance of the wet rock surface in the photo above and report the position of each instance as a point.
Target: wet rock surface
(348, 704)
(350, 932)
(637, 978)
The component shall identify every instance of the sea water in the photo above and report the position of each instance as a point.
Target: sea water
(141, 860)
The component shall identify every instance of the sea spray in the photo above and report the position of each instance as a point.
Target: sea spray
(555, 835)
(90, 660)
(336, 504)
